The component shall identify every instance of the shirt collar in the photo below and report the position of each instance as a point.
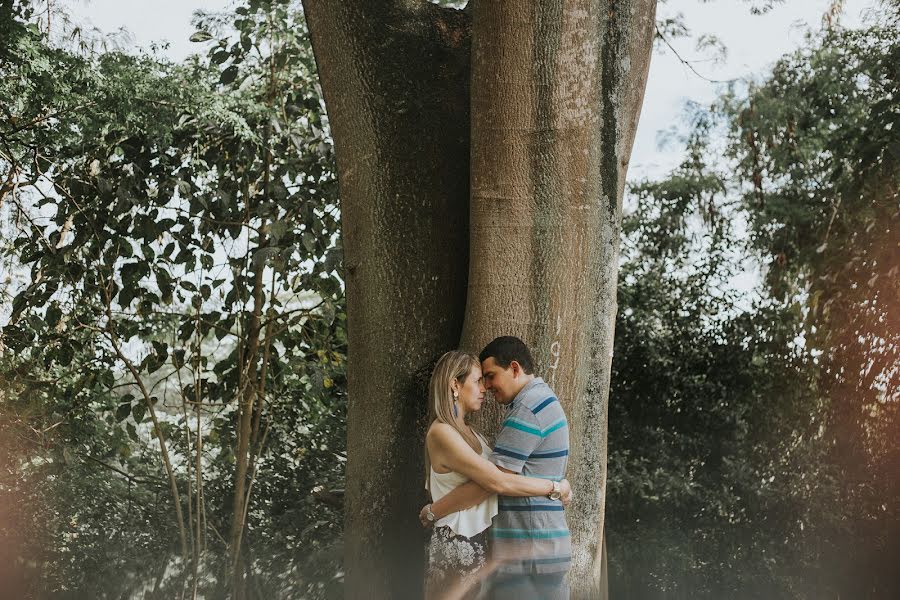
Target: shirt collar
(534, 382)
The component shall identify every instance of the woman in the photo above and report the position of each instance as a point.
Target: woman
(454, 454)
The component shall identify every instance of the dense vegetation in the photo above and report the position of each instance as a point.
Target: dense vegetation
(754, 436)
(173, 343)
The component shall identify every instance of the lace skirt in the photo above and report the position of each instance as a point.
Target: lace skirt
(453, 559)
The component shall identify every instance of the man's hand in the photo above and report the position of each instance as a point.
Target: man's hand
(566, 492)
(423, 516)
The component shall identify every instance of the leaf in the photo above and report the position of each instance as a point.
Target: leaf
(138, 411)
(160, 348)
(132, 432)
(328, 312)
(164, 281)
(201, 36)
(54, 313)
(123, 411)
(65, 355)
(228, 75)
(178, 358)
(333, 259)
(309, 241)
(277, 230)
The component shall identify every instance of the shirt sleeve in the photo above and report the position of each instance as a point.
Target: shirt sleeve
(519, 436)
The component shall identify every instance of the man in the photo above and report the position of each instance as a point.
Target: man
(529, 538)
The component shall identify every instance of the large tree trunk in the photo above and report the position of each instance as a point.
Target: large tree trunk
(556, 92)
(395, 77)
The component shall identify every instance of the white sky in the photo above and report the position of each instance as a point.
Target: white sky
(753, 42)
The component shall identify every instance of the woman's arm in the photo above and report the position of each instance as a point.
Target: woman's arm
(460, 498)
(458, 456)
(470, 494)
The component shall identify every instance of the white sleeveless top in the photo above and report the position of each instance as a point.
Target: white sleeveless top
(472, 520)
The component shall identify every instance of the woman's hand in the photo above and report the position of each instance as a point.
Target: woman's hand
(566, 494)
(423, 516)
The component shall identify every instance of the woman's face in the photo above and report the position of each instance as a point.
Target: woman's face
(471, 392)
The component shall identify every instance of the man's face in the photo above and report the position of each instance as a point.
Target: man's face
(502, 383)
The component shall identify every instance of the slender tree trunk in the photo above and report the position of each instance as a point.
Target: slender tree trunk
(395, 80)
(556, 89)
(246, 401)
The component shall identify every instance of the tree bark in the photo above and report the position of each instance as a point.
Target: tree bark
(556, 89)
(556, 93)
(395, 80)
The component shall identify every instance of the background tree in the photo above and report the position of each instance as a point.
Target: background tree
(180, 228)
(818, 143)
(787, 467)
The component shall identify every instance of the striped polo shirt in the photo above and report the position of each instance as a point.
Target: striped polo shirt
(530, 534)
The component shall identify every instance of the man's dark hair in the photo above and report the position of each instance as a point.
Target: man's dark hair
(506, 349)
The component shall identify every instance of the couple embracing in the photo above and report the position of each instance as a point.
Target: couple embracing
(496, 511)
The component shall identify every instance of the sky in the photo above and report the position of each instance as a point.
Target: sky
(753, 44)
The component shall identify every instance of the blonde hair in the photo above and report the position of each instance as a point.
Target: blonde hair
(452, 365)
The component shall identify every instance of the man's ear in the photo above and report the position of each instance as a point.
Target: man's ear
(516, 368)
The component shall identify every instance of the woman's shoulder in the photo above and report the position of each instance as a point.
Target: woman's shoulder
(441, 432)
(445, 436)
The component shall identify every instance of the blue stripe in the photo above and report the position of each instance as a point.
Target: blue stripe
(517, 450)
(547, 477)
(542, 433)
(555, 454)
(543, 405)
(523, 427)
(533, 507)
(558, 425)
(557, 559)
(510, 453)
(530, 533)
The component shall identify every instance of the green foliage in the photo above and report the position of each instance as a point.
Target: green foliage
(174, 241)
(752, 440)
(171, 240)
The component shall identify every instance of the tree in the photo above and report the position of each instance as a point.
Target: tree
(816, 150)
(713, 417)
(173, 227)
(481, 158)
(753, 446)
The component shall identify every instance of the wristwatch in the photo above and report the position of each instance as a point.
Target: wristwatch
(555, 494)
(429, 515)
